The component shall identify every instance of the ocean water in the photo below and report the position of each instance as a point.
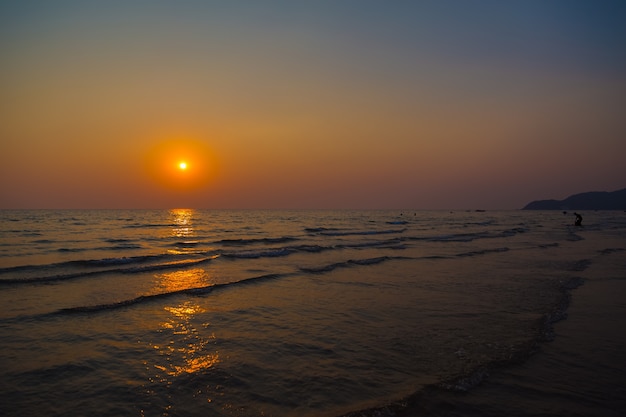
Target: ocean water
(279, 313)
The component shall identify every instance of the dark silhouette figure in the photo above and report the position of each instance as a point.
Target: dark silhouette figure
(579, 219)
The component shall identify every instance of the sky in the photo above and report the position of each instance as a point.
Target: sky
(311, 104)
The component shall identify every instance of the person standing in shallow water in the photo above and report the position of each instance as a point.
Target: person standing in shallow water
(579, 220)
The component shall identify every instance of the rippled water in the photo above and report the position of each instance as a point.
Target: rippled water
(284, 313)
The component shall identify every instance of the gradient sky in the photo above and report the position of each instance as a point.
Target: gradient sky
(312, 104)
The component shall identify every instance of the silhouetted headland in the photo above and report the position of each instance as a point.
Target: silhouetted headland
(594, 200)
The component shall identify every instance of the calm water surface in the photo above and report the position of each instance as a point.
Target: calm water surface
(273, 313)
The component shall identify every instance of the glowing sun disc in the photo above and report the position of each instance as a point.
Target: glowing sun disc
(180, 164)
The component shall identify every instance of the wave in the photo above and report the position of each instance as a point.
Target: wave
(145, 263)
(205, 289)
(277, 252)
(125, 246)
(127, 270)
(71, 250)
(168, 260)
(120, 261)
(213, 287)
(152, 297)
(436, 397)
(548, 245)
(117, 240)
(458, 237)
(376, 260)
(288, 250)
(85, 263)
(608, 251)
(469, 237)
(374, 244)
(359, 232)
(186, 243)
(126, 303)
(148, 225)
(319, 229)
(269, 253)
(370, 261)
(265, 240)
(483, 252)
(313, 248)
(346, 264)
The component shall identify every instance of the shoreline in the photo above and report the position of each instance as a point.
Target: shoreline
(576, 365)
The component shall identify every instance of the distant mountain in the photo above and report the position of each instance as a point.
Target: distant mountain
(595, 200)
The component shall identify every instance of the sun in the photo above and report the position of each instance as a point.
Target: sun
(180, 164)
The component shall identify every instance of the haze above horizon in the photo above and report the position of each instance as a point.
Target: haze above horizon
(279, 104)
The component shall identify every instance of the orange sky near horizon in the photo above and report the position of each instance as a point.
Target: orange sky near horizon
(433, 105)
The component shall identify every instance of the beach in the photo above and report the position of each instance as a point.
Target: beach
(312, 209)
(311, 313)
(580, 371)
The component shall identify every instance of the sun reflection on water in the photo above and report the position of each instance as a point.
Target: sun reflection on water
(188, 349)
(181, 280)
(183, 222)
(184, 345)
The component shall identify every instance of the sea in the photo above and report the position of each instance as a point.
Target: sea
(325, 313)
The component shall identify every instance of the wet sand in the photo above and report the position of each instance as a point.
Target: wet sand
(582, 372)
